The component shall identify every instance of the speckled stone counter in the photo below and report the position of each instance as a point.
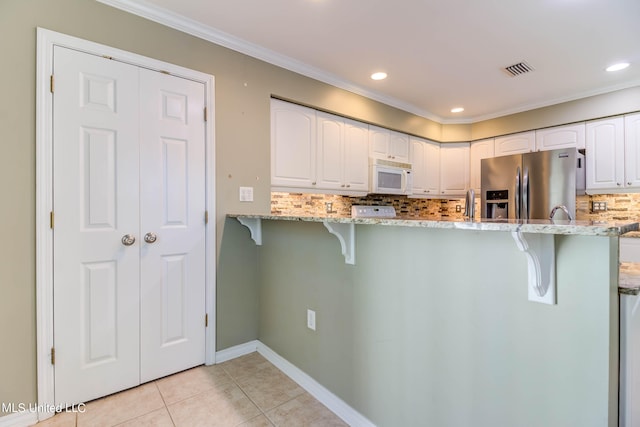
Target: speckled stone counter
(585, 228)
(629, 278)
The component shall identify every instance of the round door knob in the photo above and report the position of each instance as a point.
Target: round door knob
(128, 239)
(150, 237)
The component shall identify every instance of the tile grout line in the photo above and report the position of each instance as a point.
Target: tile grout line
(233, 378)
(166, 407)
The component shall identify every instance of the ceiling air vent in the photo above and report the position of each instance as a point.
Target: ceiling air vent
(518, 69)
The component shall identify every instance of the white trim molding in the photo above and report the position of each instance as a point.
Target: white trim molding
(19, 419)
(314, 388)
(236, 351)
(46, 40)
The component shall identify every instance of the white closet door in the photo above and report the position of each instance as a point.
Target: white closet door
(96, 203)
(172, 183)
(129, 160)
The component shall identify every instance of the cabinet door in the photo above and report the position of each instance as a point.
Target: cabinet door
(432, 168)
(478, 150)
(330, 144)
(517, 143)
(632, 150)
(561, 137)
(379, 142)
(418, 164)
(454, 169)
(399, 147)
(605, 158)
(356, 156)
(425, 160)
(293, 145)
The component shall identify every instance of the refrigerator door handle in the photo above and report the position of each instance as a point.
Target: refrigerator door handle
(517, 195)
(525, 193)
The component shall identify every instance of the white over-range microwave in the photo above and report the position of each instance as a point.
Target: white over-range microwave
(388, 177)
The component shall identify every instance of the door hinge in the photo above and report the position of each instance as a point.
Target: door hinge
(51, 219)
(206, 217)
(205, 114)
(51, 80)
(53, 356)
(206, 320)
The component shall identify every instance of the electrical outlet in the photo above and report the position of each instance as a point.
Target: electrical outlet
(311, 320)
(598, 206)
(458, 208)
(246, 194)
(329, 207)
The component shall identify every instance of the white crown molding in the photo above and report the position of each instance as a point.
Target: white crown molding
(186, 25)
(549, 103)
(196, 29)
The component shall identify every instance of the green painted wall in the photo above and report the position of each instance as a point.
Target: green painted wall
(433, 327)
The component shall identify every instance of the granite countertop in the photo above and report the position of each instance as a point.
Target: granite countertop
(629, 278)
(586, 228)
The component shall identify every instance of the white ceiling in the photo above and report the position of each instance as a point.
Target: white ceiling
(439, 54)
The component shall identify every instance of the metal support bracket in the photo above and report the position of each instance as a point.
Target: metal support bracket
(255, 227)
(541, 259)
(346, 234)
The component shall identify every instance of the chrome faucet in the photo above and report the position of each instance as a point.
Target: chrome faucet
(470, 204)
(562, 208)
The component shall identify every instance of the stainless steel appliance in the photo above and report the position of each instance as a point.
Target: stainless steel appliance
(531, 185)
(389, 177)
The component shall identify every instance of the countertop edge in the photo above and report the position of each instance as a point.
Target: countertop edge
(585, 228)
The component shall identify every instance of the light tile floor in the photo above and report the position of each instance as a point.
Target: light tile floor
(247, 391)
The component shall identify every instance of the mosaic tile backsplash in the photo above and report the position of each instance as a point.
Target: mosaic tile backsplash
(620, 207)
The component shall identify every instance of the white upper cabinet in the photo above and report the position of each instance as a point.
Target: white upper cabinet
(330, 151)
(482, 149)
(342, 154)
(356, 156)
(632, 150)
(425, 156)
(561, 137)
(523, 142)
(293, 145)
(317, 151)
(454, 169)
(605, 155)
(388, 145)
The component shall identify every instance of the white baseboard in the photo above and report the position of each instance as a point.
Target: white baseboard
(236, 351)
(314, 388)
(19, 419)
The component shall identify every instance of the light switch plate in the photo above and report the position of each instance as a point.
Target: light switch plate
(246, 194)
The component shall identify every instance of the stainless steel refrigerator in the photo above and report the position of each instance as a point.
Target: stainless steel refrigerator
(530, 185)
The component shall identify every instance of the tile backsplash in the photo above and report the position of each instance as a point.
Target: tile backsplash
(620, 207)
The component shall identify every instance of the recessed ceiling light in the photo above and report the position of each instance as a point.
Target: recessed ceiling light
(379, 76)
(457, 110)
(617, 67)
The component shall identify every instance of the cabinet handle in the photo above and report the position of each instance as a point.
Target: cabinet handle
(348, 185)
(342, 186)
(628, 183)
(313, 183)
(618, 184)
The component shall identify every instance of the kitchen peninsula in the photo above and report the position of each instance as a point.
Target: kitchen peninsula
(431, 325)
